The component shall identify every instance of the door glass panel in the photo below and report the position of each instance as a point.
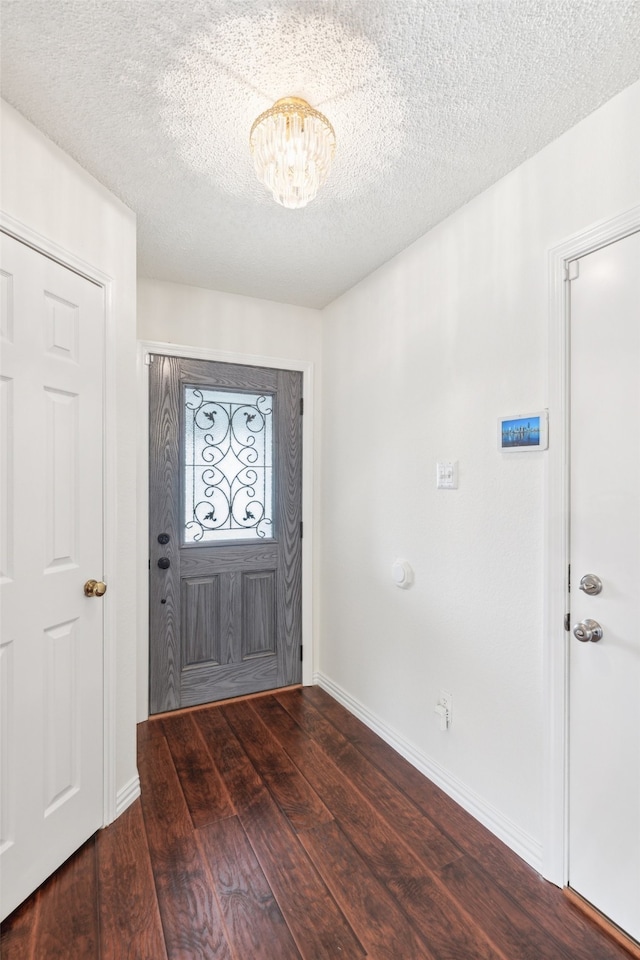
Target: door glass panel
(228, 465)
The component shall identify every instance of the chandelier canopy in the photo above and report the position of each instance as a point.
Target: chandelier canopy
(292, 146)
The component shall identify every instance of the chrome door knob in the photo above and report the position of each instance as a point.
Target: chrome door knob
(587, 630)
(591, 585)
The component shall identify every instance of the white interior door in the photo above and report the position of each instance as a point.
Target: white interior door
(604, 707)
(51, 515)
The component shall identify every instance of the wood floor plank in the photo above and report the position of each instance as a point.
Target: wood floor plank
(148, 730)
(632, 947)
(206, 795)
(499, 915)
(441, 921)
(373, 913)
(425, 838)
(541, 900)
(255, 925)
(318, 926)
(191, 916)
(130, 926)
(67, 927)
(448, 815)
(17, 931)
(293, 794)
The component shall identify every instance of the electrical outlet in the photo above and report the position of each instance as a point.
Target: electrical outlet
(444, 709)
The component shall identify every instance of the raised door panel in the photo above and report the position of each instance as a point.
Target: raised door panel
(61, 715)
(201, 639)
(61, 476)
(7, 744)
(7, 482)
(259, 614)
(62, 327)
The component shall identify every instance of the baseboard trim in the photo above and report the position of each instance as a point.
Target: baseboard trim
(517, 839)
(127, 794)
(621, 938)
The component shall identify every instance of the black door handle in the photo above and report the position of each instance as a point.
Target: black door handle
(164, 563)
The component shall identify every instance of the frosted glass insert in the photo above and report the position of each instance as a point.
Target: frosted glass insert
(228, 465)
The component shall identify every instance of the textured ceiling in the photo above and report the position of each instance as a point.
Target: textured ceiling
(431, 101)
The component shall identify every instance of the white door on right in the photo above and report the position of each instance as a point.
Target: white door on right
(604, 694)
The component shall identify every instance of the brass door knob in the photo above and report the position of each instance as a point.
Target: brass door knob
(95, 588)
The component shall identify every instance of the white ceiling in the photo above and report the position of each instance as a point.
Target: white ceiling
(431, 101)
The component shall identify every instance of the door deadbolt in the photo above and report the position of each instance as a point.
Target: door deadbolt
(591, 585)
(163, 538)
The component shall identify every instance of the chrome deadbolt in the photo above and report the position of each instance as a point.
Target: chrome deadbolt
(587, 630)
(591, 585)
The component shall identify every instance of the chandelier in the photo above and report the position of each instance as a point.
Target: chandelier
(292, 146)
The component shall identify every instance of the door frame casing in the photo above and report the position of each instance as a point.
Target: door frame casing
(555, 841)
(112, 804)
(305, 367)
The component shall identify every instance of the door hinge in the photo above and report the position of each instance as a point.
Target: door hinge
(301, 529)
(300, 653)
(148, 359)
(567, 622)
(301, 405)
(572, 270)
(569, 579)
(149, 564)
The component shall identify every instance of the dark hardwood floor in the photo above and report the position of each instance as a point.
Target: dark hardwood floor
(281, 828)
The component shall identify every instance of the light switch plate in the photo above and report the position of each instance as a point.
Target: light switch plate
(447, 475)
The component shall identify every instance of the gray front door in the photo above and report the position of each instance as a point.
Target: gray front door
(224, 530)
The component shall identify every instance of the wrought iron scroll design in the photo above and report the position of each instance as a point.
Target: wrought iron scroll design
(228, 464)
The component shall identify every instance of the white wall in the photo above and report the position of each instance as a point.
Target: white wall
(419, 361)
(175, 313)
(49, 193)
(261, 329)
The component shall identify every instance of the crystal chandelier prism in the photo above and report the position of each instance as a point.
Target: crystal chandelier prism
(292, 146)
